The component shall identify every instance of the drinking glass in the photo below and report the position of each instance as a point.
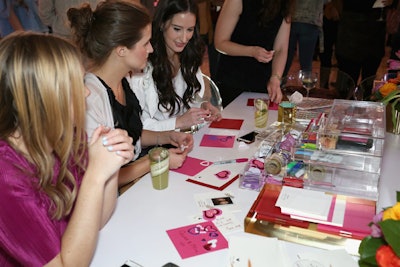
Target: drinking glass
(309, 80)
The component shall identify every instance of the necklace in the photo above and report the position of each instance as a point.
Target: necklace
(119, 94)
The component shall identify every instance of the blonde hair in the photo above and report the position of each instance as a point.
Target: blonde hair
(42, 98)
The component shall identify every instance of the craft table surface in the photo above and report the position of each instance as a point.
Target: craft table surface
(137, 229)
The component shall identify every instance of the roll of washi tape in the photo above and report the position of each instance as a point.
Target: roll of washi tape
(317, 173)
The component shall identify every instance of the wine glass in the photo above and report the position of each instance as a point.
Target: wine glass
(309, 80)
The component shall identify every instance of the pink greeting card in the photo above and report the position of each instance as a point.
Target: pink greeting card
(212, 140)
(192, 166)
(197, 239)
(233, 124)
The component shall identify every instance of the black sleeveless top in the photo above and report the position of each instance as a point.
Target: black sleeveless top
(247, 73)
(126, 117)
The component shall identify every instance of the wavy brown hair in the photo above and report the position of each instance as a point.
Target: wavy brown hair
(42, 99)
(190, 58)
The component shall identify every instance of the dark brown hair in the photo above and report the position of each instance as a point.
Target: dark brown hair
(111, 24)
(190, 58)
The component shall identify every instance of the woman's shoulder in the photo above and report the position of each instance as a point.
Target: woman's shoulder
(142, 82)
(93, 83)
(12, 159)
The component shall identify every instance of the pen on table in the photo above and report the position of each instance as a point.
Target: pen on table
(230, 161)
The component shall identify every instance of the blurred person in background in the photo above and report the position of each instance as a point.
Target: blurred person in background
(53, 13)
(20, 15)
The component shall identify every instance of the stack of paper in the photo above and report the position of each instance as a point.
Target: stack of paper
(305, 203)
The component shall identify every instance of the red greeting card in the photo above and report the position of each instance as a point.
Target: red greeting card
(233, 124)
(197, 239)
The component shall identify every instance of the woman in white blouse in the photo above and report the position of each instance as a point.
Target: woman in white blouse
(171, 89)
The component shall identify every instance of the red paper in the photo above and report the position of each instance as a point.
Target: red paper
(211, 140)
(222, 187)
(233, 124)
(266, 209)
(192, 166)
(272, 105)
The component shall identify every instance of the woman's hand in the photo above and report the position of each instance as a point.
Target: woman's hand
(109, 149)
(214, 112)
(191, 117)
(183, 141)
(274, 90)
(262, 55)
(176, 158)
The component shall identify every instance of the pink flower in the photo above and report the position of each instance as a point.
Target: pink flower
(375, 228)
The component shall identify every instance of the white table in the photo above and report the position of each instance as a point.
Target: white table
(137, 229)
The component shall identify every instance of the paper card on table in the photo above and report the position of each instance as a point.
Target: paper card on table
(304, 202)
(216, 199)
(272, 105)
(192, 166)
(225, 220)
(197, 239)
(255, 251)
(337, 257)
(233, 124)
(218, 176)
(210, 140)
(335, 216)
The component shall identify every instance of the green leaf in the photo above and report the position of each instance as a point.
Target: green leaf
(391, 232)
(398, 196)
(367, 251)
(392, 95)
(394, 112)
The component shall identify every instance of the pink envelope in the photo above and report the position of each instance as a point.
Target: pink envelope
(192, 166)
(211, 140)
(233, 124)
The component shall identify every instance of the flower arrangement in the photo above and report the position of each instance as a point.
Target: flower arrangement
(382, 247)
(389, 94)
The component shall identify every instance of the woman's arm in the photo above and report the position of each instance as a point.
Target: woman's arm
(134, 171)
(14, 21)
(91, 210)
(278, 62)
(227, 20)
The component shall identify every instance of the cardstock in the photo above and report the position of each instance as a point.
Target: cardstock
(218, 176)
(197, 239)
(226, 221)
(233, 124)
(256, 251)
(337, 257)
(304, 202)
(225, 141)
(272, 105)
(336, 214)
(358, 214)
(192, 166)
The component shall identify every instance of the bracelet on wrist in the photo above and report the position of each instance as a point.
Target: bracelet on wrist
(276, 76)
